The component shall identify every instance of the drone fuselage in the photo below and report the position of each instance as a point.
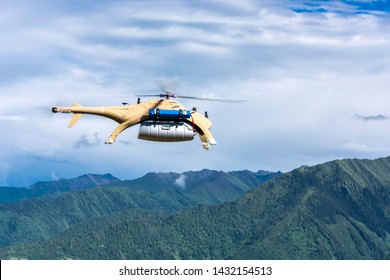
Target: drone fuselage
(162, 120)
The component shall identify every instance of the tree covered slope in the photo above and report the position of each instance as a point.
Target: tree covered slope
(67, 203)
(335, 210)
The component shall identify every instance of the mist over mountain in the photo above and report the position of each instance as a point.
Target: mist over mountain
(336, 210)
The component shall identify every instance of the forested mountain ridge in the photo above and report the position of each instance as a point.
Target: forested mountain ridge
(224, 186)
(153, 182)
(339, 209)
(51, 214)
(335, 210)
(80, 183)
(87, 181)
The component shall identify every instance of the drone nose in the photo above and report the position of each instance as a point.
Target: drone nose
(54, 109)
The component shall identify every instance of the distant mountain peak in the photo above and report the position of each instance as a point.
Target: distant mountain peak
(82, 182)
(98, 178)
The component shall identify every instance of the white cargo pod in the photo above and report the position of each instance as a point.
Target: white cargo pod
(165, 131)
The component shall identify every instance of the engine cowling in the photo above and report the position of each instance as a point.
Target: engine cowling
(165, 131)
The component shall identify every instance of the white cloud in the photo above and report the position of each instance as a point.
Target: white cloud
(12, 118)
(181, 181)
(204, 48)
(364, 148)
(54, 176)
(307, 75)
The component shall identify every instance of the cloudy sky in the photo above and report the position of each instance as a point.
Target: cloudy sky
(316, 75)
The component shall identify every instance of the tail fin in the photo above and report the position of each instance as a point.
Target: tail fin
(75, 117)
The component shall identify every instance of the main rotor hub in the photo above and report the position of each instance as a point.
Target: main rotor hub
(168, 95)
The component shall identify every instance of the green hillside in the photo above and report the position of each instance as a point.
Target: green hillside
(8, 194)
(336, 210)
(49, 215)
(223, 186)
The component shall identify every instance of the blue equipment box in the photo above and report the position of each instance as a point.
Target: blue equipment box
(169, 114)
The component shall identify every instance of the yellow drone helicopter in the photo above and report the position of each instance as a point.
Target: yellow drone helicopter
(162, 120)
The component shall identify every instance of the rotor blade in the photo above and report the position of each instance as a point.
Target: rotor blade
(212, 99)
(147, 95)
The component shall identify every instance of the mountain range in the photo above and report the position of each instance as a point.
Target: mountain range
(336, 210)
(8, 194)
(49, 208)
